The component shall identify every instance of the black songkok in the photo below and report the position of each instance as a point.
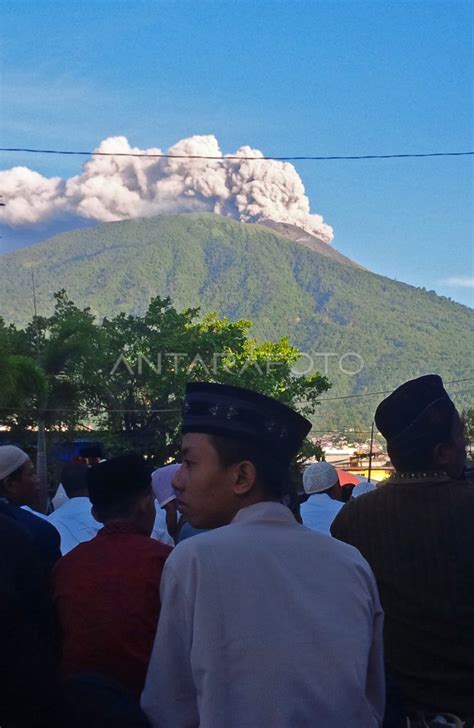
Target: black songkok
(418, 404)
(242, 414)
(117, 479)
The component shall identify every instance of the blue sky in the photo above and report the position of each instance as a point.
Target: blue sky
(289, 78)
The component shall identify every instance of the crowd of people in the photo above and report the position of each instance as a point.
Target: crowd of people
(195, 596)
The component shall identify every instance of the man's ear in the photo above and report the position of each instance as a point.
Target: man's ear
(95, 514)
(146, 502)
(245, 477)
(9, 486)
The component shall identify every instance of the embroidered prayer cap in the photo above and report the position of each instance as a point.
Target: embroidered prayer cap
(319, 477)
(11, 458)
(408, 403)
(118, 478)
(228, 411)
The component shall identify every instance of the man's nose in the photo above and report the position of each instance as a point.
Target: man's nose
(176, 479)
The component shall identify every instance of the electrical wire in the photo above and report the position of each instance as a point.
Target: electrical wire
(171, 410)
(230, 157)
(101, 410)
(386, 391)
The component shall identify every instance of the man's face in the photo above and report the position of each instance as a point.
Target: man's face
(24, 489)
(203, 486)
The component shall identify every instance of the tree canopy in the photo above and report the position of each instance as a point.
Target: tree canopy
(125, 376)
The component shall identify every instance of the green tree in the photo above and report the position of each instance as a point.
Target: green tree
(22, 379)
(65, 348)
(146, 362)
(60, 351)
(126, 376)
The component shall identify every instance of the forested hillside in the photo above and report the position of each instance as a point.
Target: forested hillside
(342, 316)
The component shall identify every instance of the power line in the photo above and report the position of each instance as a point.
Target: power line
(230, 157)
(92, 411)
(97, 410)
(386, 391)
(101, 410)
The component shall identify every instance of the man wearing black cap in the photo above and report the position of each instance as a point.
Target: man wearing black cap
(247, 634)
(416, 531)
(106, 590)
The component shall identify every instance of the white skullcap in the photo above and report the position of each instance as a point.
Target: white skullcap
(319, 477)
(363, 487)
(11, 458)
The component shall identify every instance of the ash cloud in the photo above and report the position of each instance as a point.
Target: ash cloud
(120, 188)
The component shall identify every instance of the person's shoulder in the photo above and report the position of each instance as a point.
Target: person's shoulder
(81, 551)
(56, 518)
(144, 548)
(465, 484)
(78, 558)
(358, 512)
(13, 531)
(201, 546)
(371, 499)
(325, 545)
(157, 548)
(339, 558)
(63, 510)
(37, 523)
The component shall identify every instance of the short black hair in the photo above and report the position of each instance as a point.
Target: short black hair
(73, 478)
(116, 485)
(273, 477)
(120, 508)
(415, 451)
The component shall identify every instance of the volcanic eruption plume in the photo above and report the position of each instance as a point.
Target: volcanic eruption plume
(119, 188)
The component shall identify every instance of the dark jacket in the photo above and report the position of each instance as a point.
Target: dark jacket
(28, 653)
(45, 537)
(418, 537)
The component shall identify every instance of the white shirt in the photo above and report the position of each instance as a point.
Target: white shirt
(161, 484)
(160, 529)
(74, 522)
(319, 511)
(35, 513)
(266, 624)
(60, 498)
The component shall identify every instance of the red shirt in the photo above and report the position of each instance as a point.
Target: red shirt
(107, 596)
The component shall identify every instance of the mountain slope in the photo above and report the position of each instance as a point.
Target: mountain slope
(341, 315)
(297, 235)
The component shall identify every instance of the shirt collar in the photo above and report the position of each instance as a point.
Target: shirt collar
(265, 511)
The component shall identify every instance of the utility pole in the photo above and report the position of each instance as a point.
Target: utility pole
(371, 453)
(41, 460)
